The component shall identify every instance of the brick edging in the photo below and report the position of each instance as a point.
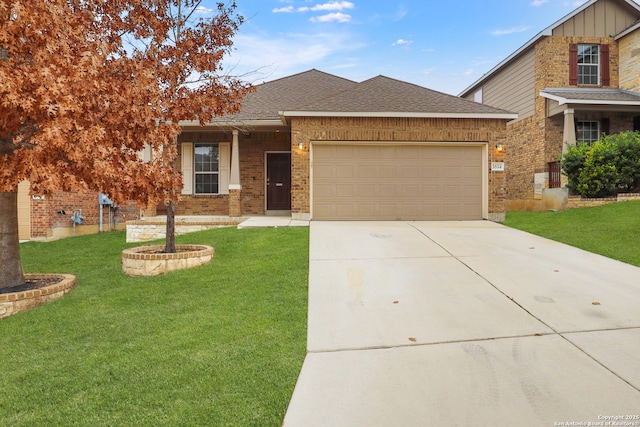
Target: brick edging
(16, 302)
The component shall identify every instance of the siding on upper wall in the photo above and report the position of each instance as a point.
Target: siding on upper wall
(605, 18)
(513, 88)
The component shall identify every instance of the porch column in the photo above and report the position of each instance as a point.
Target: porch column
(234, 179)
(568, 138)
(569, 135)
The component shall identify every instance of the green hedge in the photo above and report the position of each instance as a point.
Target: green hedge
(606, 167)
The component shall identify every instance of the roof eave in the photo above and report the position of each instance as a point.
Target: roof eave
(545, 33)
(563, 100)
(234, 123)
(629, 30)
(394, 114)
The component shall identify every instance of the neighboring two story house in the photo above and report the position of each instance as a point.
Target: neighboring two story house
(574, 81)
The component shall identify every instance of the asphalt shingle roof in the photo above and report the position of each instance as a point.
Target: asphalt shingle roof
(290, 92)
(316, 91)
(385, 95)
(596, 95)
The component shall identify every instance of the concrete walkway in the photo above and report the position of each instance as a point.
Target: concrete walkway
(465, 323)
(267, 221)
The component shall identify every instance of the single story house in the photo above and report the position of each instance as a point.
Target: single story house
(321, 147)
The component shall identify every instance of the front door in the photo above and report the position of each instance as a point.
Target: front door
(278, 181)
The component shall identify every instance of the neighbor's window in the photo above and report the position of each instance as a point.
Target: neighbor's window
(588, 64)
(588, 131)
(206, 168)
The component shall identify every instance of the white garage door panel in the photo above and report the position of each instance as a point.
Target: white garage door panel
(397, 182)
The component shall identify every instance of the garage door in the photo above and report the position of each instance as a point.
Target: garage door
(403, 182)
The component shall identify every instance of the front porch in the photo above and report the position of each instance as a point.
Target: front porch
(154, 227)
(578, 115)
(235, 172)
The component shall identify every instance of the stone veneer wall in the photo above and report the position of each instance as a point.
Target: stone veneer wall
(16, 302)
(630, 61)
(309, 129)
(583, 202)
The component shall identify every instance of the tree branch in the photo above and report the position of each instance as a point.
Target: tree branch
(8, 145)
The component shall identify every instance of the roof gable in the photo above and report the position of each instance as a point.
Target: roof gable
(597, 18)
(588, 11)
(290, 92)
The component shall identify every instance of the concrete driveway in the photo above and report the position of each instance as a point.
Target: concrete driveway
(465, 323)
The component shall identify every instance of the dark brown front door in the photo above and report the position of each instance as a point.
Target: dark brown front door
(278, 181)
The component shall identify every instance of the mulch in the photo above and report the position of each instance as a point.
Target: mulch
(32, 284)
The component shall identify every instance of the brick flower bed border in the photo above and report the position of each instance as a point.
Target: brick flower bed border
(150, 261)
(16, 302)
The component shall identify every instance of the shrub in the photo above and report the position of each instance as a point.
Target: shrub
(606, 167)
(572, 163)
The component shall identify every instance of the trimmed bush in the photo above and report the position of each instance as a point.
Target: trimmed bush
(606, 167)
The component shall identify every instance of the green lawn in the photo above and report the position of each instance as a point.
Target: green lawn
(218, 345)
(610, 230)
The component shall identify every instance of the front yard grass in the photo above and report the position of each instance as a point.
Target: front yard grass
(218, 345)
(611, 230)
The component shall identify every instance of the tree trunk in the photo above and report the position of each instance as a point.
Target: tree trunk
(170, 241)
(10, 267)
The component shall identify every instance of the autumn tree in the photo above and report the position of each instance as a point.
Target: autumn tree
(85, 84)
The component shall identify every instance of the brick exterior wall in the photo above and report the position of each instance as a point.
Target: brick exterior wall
(536, 141)
(252, 145)
(203, 205)
(47, 216)
(309, 129)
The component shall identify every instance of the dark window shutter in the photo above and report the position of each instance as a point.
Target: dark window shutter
(604, 65)
(605, 125)
(573, 64)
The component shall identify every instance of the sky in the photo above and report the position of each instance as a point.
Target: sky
(441, 45)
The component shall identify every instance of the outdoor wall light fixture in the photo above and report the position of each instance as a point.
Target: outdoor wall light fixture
(499, 148)
(300, 145)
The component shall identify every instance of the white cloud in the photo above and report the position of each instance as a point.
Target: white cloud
(340, 6)
(262, 57)
(538, 3)
(204, 10)
(402, 12)
(401, 42)
(287, 9)
(509, 31)
(335, 6)
(332, 17)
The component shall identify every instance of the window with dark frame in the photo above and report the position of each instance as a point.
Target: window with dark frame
(588, 131)
(206, 168)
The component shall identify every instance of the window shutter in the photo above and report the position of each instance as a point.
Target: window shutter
(573, 64)
(187, 167)
(605, 125)
(224, 167)
(605, 77)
